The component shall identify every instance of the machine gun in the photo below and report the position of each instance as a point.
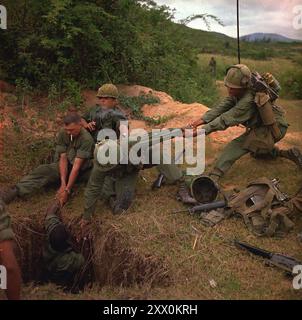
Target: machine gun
(267, 84)
(273, 259)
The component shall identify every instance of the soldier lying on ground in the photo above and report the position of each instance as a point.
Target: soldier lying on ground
(74, 149)
(264, 121)
(7, 256)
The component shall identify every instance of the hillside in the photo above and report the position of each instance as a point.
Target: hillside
(266, 37)
(150, 253)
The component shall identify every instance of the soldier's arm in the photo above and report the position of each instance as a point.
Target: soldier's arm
(215, 112)
(78, 162)
(239, 114)
(87, 121)
(218, 110)
(9, 261)
(63, 168)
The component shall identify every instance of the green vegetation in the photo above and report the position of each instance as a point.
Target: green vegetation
(289, 75)
(54, 43)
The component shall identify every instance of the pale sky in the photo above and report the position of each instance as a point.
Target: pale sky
(269, 16)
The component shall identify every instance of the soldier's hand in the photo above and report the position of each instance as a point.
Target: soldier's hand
(62, 197)
(196, 123)
(61, 189)
(85, 227)
(91, 126)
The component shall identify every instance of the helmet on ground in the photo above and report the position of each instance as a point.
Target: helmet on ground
(204, 189)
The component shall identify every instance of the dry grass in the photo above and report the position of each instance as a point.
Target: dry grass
(149, 229)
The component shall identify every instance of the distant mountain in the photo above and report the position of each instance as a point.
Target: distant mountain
(267, 37)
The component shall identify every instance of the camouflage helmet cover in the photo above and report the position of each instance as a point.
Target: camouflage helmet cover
(108, 90)
(238, 76)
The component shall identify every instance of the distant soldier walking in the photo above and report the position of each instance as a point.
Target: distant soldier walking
(212, 65)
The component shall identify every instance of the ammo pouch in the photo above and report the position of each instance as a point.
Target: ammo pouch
(259, 140)
(265, 108)
(261, 208)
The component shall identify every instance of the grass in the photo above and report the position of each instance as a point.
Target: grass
(290, 68)
(152, 228)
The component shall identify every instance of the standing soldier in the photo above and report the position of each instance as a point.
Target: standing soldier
(265, 122)
(212, 65)
(123, 178)
(73, 159)
(105, 115)
(7, 256)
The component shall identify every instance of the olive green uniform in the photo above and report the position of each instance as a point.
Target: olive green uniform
(257, 139)
(80, 147)
(61, 266)
(119, 181)
(104, 119)
(6, 232)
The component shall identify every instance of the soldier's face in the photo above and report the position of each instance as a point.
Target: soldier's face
(236, 92)
(73, 129)
(108, 102)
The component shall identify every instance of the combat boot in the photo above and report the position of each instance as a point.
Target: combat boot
(8, 195)
(121, 205)
(184, 196)
(293, 154)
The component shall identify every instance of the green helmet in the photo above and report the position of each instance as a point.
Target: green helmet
(204, 189)
(108, 90)
(238, 76)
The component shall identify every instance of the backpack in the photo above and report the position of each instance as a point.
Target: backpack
(263, 208)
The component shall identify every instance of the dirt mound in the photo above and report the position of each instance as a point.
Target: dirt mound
(179, 114)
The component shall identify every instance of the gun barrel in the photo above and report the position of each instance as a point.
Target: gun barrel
(257, 251)
(204, 207)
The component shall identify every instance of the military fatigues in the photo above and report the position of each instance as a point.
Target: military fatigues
(121, 182)
(6, 232)
(61, 266)
(81, 147)
(104, 119)
(257, 139)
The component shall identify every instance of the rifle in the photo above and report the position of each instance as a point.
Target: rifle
(273, 259)
(204, 207)
(260, 85)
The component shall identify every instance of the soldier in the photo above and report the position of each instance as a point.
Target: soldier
(123, 178)
(212, 65)
(73, 160)
(245, 106)
(7, 256)
(105, 115)
(62, 263)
